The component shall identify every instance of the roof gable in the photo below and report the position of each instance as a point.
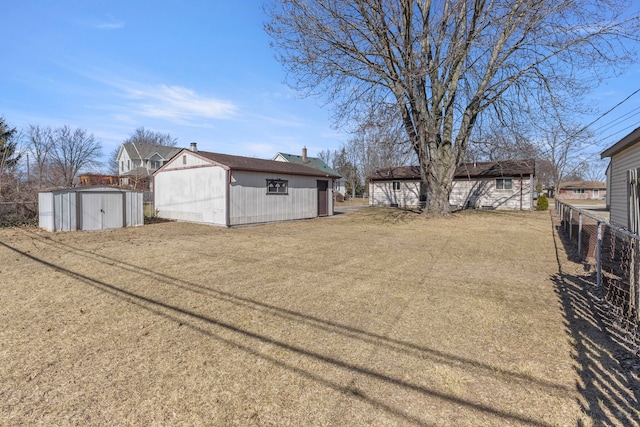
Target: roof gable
(143, 151)
(313, 162)
(629, 140)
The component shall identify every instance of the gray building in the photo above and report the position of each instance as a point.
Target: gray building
(228, 190)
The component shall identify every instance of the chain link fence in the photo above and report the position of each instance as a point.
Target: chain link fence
(614, 252)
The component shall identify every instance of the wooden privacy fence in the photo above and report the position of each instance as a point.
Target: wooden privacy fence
(615, 253)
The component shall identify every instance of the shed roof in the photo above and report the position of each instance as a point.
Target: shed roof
(261, 165)
(465, 170)
(90, 189)
(625, 142)
(313, 162)
(570, 185)
(144, 150)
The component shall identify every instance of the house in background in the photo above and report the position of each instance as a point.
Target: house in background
(221, 189)
(480, 185)
(340, 184)
(623, 196)
(137, 161)
(595, 190)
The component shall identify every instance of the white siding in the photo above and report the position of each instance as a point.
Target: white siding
(250, 203)
(94, 208)
(186, 159)
(65, 211)
(45, 211)
(625, 160)
(382, 193)
(608, 195)
(134, 209)
(125, 164)
(482, 191)
(194, 195)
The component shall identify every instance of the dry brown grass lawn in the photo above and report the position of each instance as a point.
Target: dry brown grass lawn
(378, 317)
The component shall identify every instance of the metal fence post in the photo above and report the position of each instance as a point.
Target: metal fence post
(570, 222)
(635, 282)
(580, 234)
(599, 256)
(633, 303)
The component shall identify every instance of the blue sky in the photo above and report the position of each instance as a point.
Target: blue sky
(200, 70)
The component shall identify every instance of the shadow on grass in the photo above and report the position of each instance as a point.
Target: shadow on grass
(202, 324)
(610, 395)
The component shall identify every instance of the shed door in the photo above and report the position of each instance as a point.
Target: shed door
(101, 211)
(323, 200)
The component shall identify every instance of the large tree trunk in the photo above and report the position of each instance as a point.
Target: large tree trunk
(437, 174)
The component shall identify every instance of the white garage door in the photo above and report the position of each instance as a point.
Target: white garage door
(101, 211)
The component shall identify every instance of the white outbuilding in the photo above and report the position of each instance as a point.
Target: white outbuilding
(89, 208)
(623, 181)
(222, 189)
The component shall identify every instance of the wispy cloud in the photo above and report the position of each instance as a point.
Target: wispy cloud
(113, 25)
(177, 103)
(108, 23)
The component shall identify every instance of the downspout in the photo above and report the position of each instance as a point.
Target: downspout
(228, 199)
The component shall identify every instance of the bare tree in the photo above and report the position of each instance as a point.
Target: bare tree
(40, 145)
(563, 147)
(112, 162)
(144, 136)
(443, 63)
(72, 150)
(329, 157)
(595, 169)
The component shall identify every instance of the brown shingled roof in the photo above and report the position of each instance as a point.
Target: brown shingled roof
(570, 185)
(262, 165)
(465, 170)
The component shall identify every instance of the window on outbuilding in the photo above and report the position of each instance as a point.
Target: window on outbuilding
(396, 185)
(578, 191)
(277, 186)
(504, 183)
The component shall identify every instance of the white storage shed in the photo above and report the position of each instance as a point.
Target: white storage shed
(89, 208)
(213, 188)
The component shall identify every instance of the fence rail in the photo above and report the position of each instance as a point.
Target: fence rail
(614, 252)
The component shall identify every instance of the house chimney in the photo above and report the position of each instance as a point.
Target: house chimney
(194, 147)
(304, 154)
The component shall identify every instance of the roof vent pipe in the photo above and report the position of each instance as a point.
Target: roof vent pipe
(194, 147)
(304, 154)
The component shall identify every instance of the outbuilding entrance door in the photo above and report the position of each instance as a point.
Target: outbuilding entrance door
(101, 211)
(323, 198)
